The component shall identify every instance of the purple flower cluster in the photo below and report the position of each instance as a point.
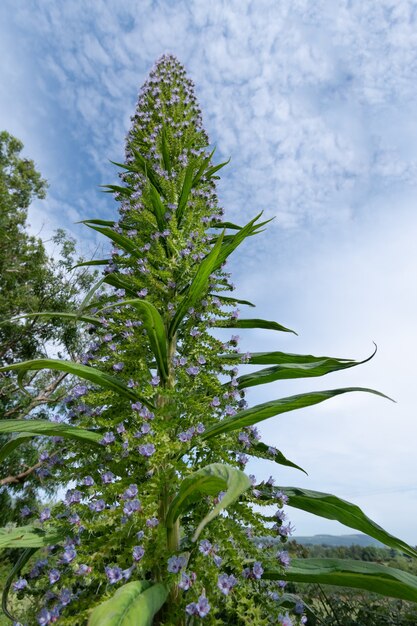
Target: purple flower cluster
(176, 563)
(255, 572)
(200, 608)
(226, 583)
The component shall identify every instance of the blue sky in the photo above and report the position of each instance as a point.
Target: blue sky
(315, 103)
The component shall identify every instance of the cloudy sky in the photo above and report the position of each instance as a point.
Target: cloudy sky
(315, 104)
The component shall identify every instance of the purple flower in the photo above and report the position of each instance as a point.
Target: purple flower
(201, 360)
(130, 492)
(138, 552)
(176, 563)
(44, 617)
(205, 547)
(229, 410)
(120, 428)
(79, 391)
(193, 370)
(155, 381)
(272, 451)
(226, 583)
(65, 596)
(97, 505)
(142, 293)
(147, 449)
(200, 428)
(73, 496)
(69, 555)
(74, 518)
(152, 522)
(137, 406)
(54, 576)
(187, 580)
(200, 608)
(257, 570)
(20, 584)
(217, 560)
(88, 481)
(44, 456)
(284, 531)
(107, 337)
(215, 402)
(118, 367)
(285, 620)
(108, 477)
(108, 438)
(45, 515)
(25, 511)
(83, 570)
(282, 497)
(114, 574)
(284, 558)
(244, 438)
(131, 507)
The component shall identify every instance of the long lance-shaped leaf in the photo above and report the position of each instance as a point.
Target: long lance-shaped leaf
(158, 208)
(27, 537)
(16, 569)
(261, 412)
(13, 444)
(82, 371)
(35, 428)
(77, 317)
(197, 286)
(165, 150)
(212, 170)
(185, 192)
(155, 328)
(121, 282)
(223, 225)
(240, 236)
(348, 573)
(329, 506)
(97, 222)
(203, 167)
(209, 480)
(134, 604)
(148, 171)
(86, 302)
(261, 450)
(254, 323)
(121, 240)
(124, 191)
(228, 300)
(293, 366)
(90, 263)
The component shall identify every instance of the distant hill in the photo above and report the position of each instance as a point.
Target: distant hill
(339, 540)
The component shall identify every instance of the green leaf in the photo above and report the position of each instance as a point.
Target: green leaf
(228, 300)
(158, 208)
(121, 240)
(17, 567)
(185, 192)
(82, 371)
(35, 428)
(197, 286)
(68, 316)
(212, 170)
(134, 604)
(155, 328)
(346, 573)
(26, 537)
(278, 457)
(261, 412)
(203, 167)
(88, 263)
(13, 444)
(250, 229)
(125, 191)
(209, 480)
(331, 507)
(254, 323)
(293, 366)
(85, 303)
(165, 150)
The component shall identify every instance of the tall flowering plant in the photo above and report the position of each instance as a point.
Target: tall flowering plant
(159, 523)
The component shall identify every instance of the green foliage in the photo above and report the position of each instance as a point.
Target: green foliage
(134, 604)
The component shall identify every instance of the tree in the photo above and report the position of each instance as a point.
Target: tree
(158, 434)
(30, 281)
